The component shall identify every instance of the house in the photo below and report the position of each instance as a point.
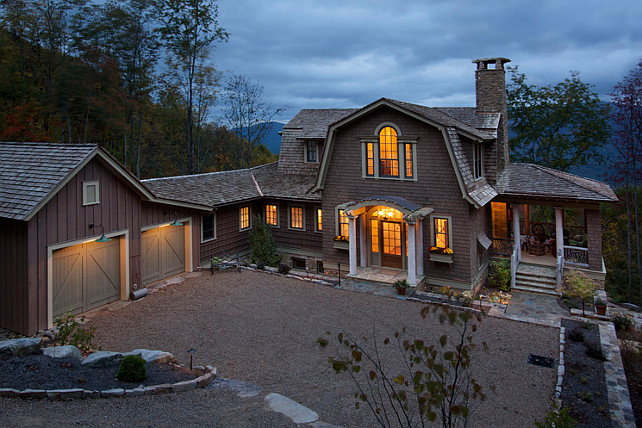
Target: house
(387, 191)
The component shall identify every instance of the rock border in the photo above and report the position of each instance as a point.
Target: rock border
(78, 393)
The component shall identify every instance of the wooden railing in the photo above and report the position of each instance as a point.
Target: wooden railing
(578, 256)
(549, 228)
(502, 247)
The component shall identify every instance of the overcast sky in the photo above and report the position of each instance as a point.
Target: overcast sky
(345, 53)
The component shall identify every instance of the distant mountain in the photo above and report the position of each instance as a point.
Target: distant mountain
(272, 140)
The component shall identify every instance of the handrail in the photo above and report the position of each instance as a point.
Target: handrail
(513, 266)
(576, 255)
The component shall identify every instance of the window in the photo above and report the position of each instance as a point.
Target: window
(319, 219)
(343, 224)
(298, 263)
(90, 193)
(311, 151)
(297, 220)
(440, 231)
(320, 270)
(478, 161)
(208, 227)
(271, 215)
(389, 156)
(244, 217)
(374, 233)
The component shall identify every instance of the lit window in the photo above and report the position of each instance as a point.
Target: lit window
(208, 227)
(343, 224)
(440, 232)
(90, 193)
(370, 159)
(478, 163)
(319, 219)
(245, 217)
(374, 232)
(408, 160)
(311, 152)
(271, 216)
(296, 218)
(388, 153)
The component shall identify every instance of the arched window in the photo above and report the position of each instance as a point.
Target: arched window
(388, 155)
(388, 152)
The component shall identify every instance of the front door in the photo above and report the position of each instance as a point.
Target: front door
(391, 244)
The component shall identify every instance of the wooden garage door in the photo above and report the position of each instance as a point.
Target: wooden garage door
(163, 253)
(85, 276)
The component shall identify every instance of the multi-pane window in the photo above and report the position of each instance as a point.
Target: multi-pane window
(440, 227)
(388, 152)
(311, 152)
(296, 218)
(478, 163)
(343, 224)
(408, 160)
(370, 159)
(271, 215)
(319, 219)
(244, 217)
(374, 233)
(208, 227)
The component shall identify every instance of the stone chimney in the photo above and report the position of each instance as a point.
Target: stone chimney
(490, 84)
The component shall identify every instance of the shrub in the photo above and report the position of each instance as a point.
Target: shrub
(557, 419)
(260, 265)
(576, 335)
(622, 322)
(69, 332)
(594, 350)
(499, 275)
(578, 286)
(262, 243)
(284, 268)
(132, 369)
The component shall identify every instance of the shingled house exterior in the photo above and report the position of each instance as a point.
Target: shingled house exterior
(391, 190)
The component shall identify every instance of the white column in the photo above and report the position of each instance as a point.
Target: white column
(352, 236)
(363, 243)
(412, 254)
(420, 247)
(559, 231)
(516, 237)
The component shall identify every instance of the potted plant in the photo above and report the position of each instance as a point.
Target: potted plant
(440, 255)
(401, 286)
(341, 242)
(600, 306)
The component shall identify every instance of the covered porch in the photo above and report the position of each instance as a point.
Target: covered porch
(385, 236)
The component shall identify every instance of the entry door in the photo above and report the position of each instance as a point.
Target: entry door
(391, 255)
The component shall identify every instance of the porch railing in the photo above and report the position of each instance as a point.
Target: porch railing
(578, 256)
(502, 247)
(513, 266)
(559, 269)
(549, 228)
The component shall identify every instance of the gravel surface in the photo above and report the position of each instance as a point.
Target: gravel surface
(262, 329)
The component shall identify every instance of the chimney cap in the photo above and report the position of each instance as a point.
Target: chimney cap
(483, 63)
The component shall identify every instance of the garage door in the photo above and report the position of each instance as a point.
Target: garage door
(163, 253)
(85, 276)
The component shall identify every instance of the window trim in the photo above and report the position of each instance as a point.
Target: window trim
(402, 142)
(478, 158)
(316, 219)
(305, 151)
(448, 218)
(213, 215)
(337, 224)
(278, 222)
(85, 186)
(249, 218)
(290, 207)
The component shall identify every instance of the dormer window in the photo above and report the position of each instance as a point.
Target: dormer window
(311, 151)
(389, 155)
(478, 161)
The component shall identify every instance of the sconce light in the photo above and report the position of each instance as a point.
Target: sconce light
(176, 222)
(103, 238)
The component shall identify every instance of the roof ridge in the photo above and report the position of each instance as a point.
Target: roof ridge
(563, 175)
(196, 175)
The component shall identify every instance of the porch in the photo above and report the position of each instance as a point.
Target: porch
(382, 275)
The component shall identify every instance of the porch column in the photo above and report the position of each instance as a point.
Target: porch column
(412, 254)
(363, 245)
(516, 236)
(352, 236)
(559, 231)
(420, 247)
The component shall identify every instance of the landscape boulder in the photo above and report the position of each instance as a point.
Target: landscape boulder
(103, 359)
(67, 351)
(153, 356)
(19, 347)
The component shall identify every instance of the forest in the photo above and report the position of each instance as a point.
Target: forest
(134, 76)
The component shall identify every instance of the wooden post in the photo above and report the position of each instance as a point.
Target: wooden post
(363, 243)
(420, 247)
(559, 230)
(412, 255)
(516, 235)
(352, 236)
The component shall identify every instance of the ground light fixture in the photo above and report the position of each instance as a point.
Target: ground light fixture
(191, 352)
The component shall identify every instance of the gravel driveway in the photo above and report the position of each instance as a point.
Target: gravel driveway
(262, 329)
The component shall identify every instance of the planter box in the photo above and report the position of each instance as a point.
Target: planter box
(440, 258)
(341, 245)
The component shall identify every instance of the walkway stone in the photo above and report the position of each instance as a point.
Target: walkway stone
(290, 408)
(538, 308)
(243, 389)
(373, 288)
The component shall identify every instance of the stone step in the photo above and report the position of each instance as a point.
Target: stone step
(537, 278)
(546, 285)
(527, 270)
(536, 290)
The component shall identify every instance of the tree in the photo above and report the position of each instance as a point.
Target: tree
(434, 382)
(249, 114)
(189, 28)
(556, 126)
(262, 243)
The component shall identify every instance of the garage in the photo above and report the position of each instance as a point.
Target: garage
(85, 276)
(163, 253)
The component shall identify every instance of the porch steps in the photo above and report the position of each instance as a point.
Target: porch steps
(536, 279)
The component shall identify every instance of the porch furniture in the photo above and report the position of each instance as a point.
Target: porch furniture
(538, 239)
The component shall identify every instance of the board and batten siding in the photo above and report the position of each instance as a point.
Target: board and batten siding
(14, 298)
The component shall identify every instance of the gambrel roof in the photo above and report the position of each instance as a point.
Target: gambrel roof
(32, 173)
